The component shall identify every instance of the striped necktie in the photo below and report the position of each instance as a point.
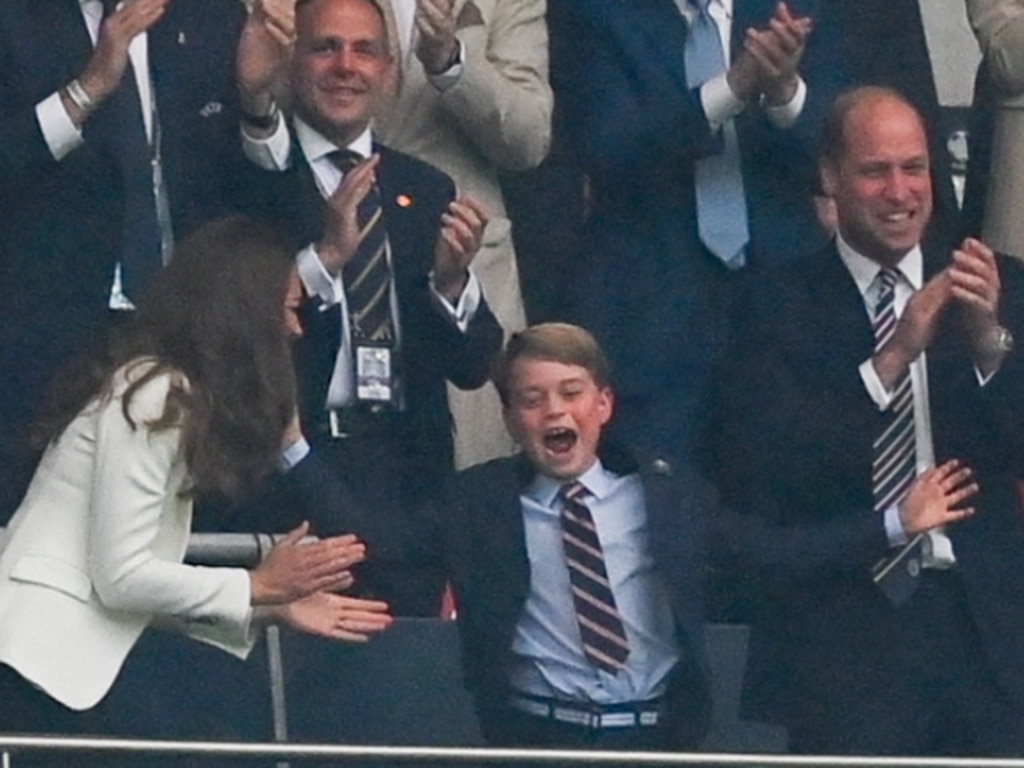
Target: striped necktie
(367, 276)
(895, 460)
(601, 631)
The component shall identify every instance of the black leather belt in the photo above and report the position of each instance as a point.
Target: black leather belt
(637, 714)
(358, 420)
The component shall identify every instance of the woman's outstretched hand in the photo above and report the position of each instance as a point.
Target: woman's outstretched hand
(336, 617)
(294, 569)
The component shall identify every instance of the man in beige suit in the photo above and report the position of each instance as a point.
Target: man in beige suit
(471, 96)
(474, 97)
(999, 27)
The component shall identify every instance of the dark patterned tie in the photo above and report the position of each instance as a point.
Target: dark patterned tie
(120, 127)
(367, 276)
(601, 631)
(895, 455)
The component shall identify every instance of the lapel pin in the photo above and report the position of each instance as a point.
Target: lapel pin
(212, 108)
(181, 38)
(404, 201)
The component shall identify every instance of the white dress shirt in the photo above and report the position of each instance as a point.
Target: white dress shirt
(911, 278)
(546, 645)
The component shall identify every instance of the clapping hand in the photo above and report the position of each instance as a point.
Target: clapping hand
(294, 569)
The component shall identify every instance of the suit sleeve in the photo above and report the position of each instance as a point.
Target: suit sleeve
(628, 115)
(999, 27)
(137, 471)
(1001, 427)
(332, 509)
(23, 149)
(789, 455)
(502, 99)
(464, 357)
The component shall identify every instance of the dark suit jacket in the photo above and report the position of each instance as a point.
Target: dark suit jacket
(61, 223)
(386, 474)
(644, 283)
(796, 448)
(476, 528)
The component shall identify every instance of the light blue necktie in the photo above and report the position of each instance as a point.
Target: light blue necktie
(721, 204)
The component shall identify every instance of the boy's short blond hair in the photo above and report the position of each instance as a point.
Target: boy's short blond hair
(555, 342)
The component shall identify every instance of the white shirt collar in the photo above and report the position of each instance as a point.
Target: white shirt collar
(865, 270)
(315, 146)
(717, 9)
(596, 479)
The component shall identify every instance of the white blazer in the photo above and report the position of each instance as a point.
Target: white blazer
(94, 553)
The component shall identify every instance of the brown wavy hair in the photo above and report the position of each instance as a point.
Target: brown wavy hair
(214, 319)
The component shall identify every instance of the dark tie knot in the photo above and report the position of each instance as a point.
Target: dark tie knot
(344, 159)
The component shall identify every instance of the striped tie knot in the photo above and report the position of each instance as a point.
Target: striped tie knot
(573, 492)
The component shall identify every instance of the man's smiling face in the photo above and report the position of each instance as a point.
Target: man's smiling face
(340, 68)
(880, 181)
(555, 412)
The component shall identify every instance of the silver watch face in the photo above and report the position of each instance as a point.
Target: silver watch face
(1000, 340)
(1004, 340)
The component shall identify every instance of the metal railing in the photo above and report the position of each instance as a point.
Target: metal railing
(247, 549)
(459, 755)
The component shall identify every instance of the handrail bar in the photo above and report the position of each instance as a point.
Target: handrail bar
(406, 754)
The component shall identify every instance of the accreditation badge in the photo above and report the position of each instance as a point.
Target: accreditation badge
(374, 373)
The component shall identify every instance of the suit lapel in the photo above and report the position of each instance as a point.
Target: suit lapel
(400, 209)
(61, 25)
(832, 312)
(660, 29)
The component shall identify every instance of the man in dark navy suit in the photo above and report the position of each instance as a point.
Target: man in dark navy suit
(864, 365)
(661, 135)
(118, 134)
(371, 368)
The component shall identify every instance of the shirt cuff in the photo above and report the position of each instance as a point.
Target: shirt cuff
(783, 116)
(984, 379)
(59, 130)
(876, 390)
(293, 454)
(465, 308)
(720, 104)
(316, 279)
(894, 527)
(271, 153)
(445, 80)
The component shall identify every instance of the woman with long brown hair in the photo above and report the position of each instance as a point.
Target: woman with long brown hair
(193, 397)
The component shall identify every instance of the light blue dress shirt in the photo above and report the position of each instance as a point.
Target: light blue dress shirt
(546, 645)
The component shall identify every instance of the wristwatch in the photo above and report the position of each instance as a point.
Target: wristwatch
(998, 341)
